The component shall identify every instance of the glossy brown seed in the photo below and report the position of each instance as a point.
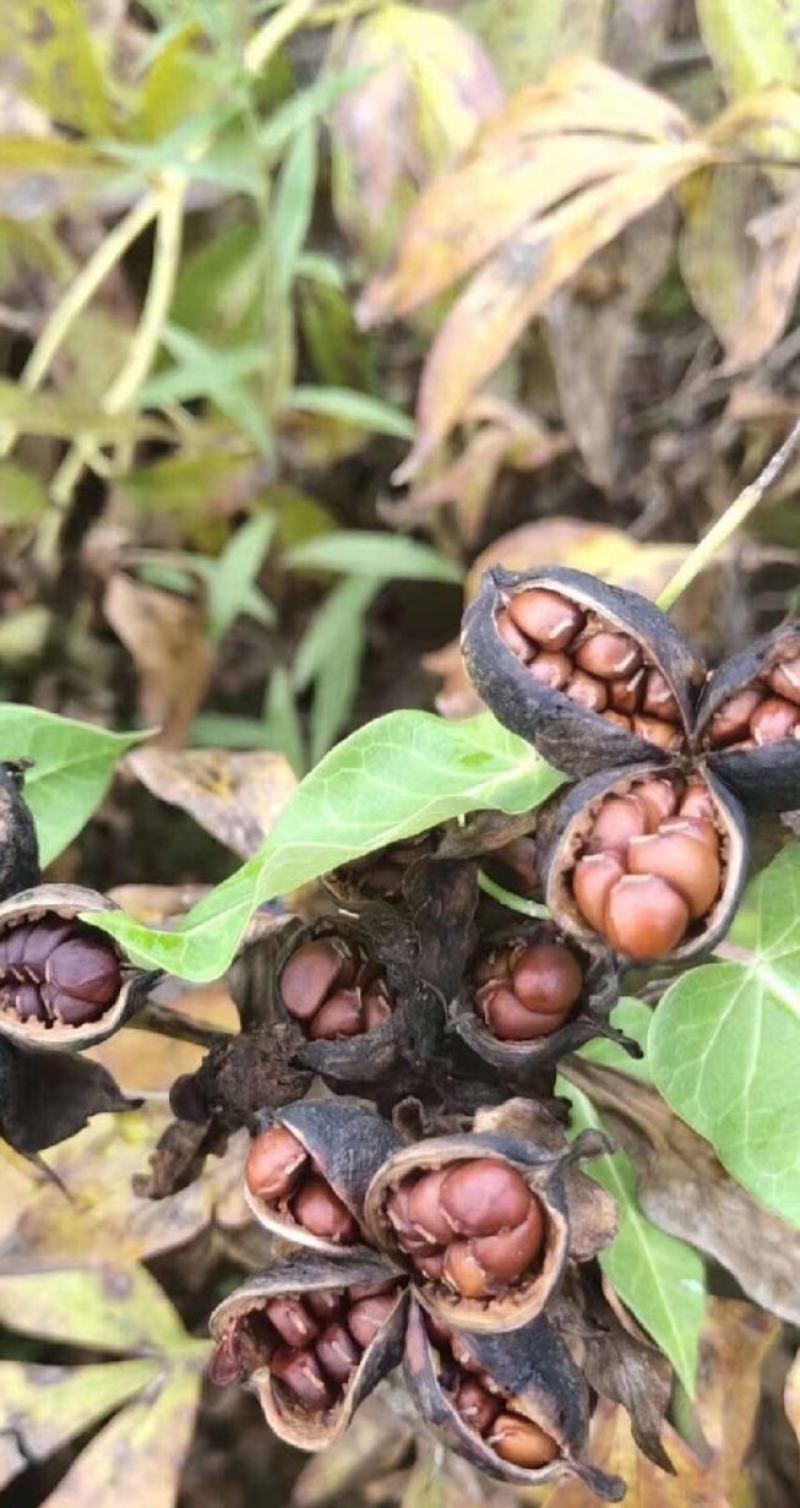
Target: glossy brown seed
(732, 721)
(553, 670)
(658, 698)
(340, 1016)
(659, 799)
(609, 655)
(547, 617)
(40, 940)
(511, 1021)
(273, 1164)
(477, 1408)
(618, 720)
(463, 1272)
(506, 1256)
(13, 944)
(337, 1353)
(322, 1212)
(626, 694)
(225, 1365)
(586, 691)
(645, 917)
(698, 802)
(302, 1375)
(483, 1196)
(547, 977)
(292, 1321)
(521, 1442)
(431, 1266)
(368, 1316)
(326, 1303)
(619, 819)
(425, 1207)
(694, 827)
(309, 976)
(662, 734)
(774, 720)
(592, 879)
(691, 867)
(785, 679)
(73, 1010)
(86, 968)
(409, 1237)
(511, 636)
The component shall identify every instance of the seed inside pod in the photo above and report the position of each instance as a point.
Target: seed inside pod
(57, 972)
(774, 720)
(521, 1442)
(282, 1174)
(334, 990)
(319, 1210)
(767, 711)
(544, 982)
(485, 1409)
(546, 617)
(785, 680)
(645, 917)
(274, 1163)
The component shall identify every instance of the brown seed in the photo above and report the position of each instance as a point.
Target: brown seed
(513, 638)
(698, 802)
(619, 819)
(308, 977)
(547, 977)
(626, 694)
(658, 698)
(659, 799)
(645, 917)
(694, 827)
(505, 1257)
(377, 1008)
(785, 679)
(483, 1196)
(463, 1272)
(337, 1353)
(38, 941)
(368, 1316)
(547, 617)
(773, 721)
(340, 1016)
(273, 1164)
(477, 1408)
(73, 1010)
(691, 867)
(226, 1364)
(586, 691)
(86, 968)
(522, 1443)
(431, 1266)
(409, 1237)
(592, 879)
(496, 966)
(292, 1321)
(553, 670)
(301, 1373)
(510, 1020)
(618, 720)
(325, 1303)
(322, 1212)
(425, 1208)
(732, 721)
(609, 655)
(360, 1291)
(663, 735)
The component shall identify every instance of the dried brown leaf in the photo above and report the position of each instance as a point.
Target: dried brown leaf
(236, 797)
(166, 637)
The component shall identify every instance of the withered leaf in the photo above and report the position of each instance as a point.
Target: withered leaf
(235, 797)
(46, 1097)
(166, 637)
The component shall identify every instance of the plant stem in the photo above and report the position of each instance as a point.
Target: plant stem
(274, 32)
(510, 900)
(731, 520)
(167, 1022)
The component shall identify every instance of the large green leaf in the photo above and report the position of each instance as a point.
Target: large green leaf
(660, 1278)
(395, 777)
(753, 43)
(632, 1017)
(73, 766)
(724, 1046)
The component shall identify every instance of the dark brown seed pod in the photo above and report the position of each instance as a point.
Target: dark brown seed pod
(63, 983)
(666, 895)
(310, 1372)
(513, 1405)
(627, 656)
(493, 1208)
(309, 1168)
(501, 1018)
(748, 722)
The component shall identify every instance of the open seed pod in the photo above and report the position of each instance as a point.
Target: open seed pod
(309, 1169)
(532, 995)
(481, 1223)
(63, 984)
(311, 1337)
(593, 676)
(649, 861)
(748, 721)
(515, 1405)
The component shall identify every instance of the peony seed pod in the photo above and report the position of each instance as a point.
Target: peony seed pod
(627, 659)
(514, 1405)
(295, 1335)
(666, 895)
(748, 722)
(309, 1168)
(63, 983)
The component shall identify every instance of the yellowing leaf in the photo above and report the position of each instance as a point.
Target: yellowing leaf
(752, 42)
(54, 62)
(525, 37)
(112, 1308)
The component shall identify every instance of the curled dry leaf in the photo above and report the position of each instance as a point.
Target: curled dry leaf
(236, 797)
(46, 1097)
(166, 637)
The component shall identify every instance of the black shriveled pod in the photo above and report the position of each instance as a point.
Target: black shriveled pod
(19, 845)
(47, 1097)
(479, 1010)
(522, 1199)
(748, 722)
(63, 983)
(311, 1370)
(475, 1398)
(309, 1169)
(667, 673)
(589, 904)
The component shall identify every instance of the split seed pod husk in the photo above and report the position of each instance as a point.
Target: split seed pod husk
(574, 739)
(347, 1145)
(533, 1370)
(47, 1097)
(765, 778)
(69, 902)
(544, 1169)
(587, 1019)
(568, 819)
(297, 1276)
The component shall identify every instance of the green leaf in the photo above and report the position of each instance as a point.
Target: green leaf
(752, 43)
(389, 780)
(107, 1308)
(634, 1018)
(63, 418)
(54, 62)
(307, 105)
(337, 673)
(282, 729)
(291, 210)
(384, 556)
(23, 496)
(661, 1279)
(232, 581)
(205, 372)
(353, 408)
(724, 1046)
(74, 763)
(329, 627)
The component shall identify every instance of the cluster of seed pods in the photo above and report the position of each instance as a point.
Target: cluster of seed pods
(334, 990)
